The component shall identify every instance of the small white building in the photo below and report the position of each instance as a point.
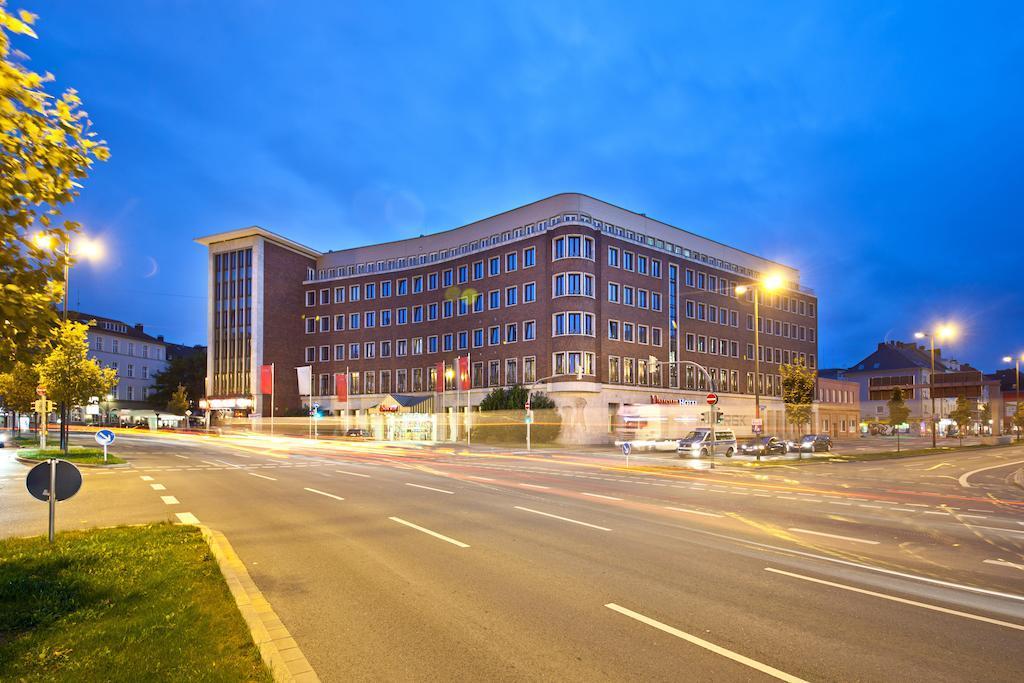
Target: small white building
(136, 355)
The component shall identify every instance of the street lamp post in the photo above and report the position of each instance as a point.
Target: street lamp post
(1016, 385)
(942, 332)
(769, 284)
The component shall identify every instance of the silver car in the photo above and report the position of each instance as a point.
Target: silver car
(701, 442)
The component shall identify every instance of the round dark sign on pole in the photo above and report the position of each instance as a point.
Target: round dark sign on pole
(67, 482)
(712, 398)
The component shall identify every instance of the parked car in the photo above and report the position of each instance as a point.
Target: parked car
(765, 445)
(355, 433)
(812, 443)
(700, 443)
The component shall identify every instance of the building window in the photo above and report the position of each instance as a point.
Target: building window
(569, 362)
(478, 338)
(529, 257)
(310, 298)
(511, 371)
(432, 281)
(511, 333)
(494, 299)
(573, 323)
(478, 270)
(493, 370)
(494, 266)
(530, 369)
(613, 257)
(339, 352)
(573, 246)
(573, 284)
(310, 354)
(613, 292)
(511, 296)
(529, 330)
(511, 262)
(614, 363)
(613, 330)
(494, 335)
(529, 292)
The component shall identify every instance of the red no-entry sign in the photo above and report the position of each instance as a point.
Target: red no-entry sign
(712, 398)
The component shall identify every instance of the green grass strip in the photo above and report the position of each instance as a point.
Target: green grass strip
(144, 603)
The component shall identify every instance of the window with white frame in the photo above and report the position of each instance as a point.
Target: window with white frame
(572, 246)
(573, 323)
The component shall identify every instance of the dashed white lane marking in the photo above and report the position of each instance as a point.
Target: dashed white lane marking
(229, 464)
(158, 487)
(431, 488)
(564, 519)
(535, 486)
(894, 598)
(598, 495)
(473, 476)
(169, 500)
(146, 477)
(1004, 563)
(700, 642)
(324, 493)
(354, 474)
(261, 476)
(210, 463)
(429, 532)
(836, 536)
(187, 518)
(183, 457)
(694, 512)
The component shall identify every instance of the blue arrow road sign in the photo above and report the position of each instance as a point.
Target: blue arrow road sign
(105, 437)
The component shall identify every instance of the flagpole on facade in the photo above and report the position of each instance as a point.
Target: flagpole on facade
(272, 378)
(458, 395)
(347, 385)
(469, 397)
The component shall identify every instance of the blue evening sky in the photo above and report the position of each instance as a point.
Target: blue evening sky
(875, 146)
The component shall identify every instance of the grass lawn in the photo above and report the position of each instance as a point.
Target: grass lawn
(878, 455)
(86, 456)
(145, 603)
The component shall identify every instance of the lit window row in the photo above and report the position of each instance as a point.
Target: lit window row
(633, 332)
(633, 262)
(627, 295)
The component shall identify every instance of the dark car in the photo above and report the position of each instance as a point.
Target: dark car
(814, 443)
(358, 433)
(765, 445)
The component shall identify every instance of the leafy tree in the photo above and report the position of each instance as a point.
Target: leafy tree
(1018, 420)
(898, 413)
(69, 375)
(514, 398)
(985, 414)
(187, 371)
(46, 151)
(18, 389)
(961, 414)
(798, 382)
(179, 401)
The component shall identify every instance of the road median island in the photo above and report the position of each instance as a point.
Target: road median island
(132, 603)
(76, 454)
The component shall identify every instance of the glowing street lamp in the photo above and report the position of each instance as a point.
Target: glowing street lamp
(768, 284)
(84, 248)
(944, 331)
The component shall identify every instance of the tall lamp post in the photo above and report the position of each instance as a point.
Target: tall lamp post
(770, 283)
(942, 332)
(87, 249)
(1016, 385)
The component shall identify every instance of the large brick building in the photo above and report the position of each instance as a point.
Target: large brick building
(538, 291)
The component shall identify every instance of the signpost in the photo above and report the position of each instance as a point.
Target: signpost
(51, 481)
(104, 437)
(711, 398)
(626, 449)
(755, 425)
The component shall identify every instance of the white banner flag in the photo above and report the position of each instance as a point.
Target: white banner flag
(305, 374)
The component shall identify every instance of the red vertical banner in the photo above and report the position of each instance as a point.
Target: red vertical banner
(341, 386)
(439, 382)
(463, 370)
(266, 379)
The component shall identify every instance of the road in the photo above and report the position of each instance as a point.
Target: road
(447, 563)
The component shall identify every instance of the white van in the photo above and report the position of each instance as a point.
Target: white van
(700, 443)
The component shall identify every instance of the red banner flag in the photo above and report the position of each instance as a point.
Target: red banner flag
(341, 386)
(439, 382)
(463, 370)
(266, 379)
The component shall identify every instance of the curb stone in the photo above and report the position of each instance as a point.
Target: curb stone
(1018, 477)
(32, 461)
(278, 649)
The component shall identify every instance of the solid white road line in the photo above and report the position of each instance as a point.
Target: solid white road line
(261, 476)
(473, 476)
(184, 457)
(536, 486)
(229, 464)
(158, 487)
(967, 475)
(598, 495)
(187, 518)
(353, 474)
(936, 608)
(146, 477)
(841, 538)
(429, 532)
(169, 500)
(564, 519)
(430, 488)
(323, 493)
(717, 649)
(209, 463)
(694, 512)
(1004, 563)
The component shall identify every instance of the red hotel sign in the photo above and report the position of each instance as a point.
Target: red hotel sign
(659, 401)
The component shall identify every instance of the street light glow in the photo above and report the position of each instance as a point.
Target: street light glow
(90, 250)
(947, 331)
(772, 282)
(1007, 359)
(741, 290)
(920, 335)
(43, 240)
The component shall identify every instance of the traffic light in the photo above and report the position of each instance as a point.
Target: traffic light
(719, 418)
(43, 406)
(579, 371)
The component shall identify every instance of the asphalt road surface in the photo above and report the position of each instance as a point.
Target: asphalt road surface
(447, 563)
